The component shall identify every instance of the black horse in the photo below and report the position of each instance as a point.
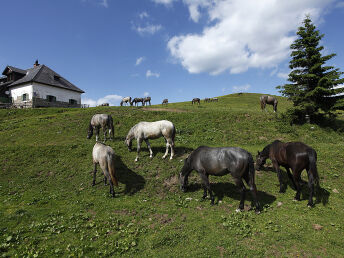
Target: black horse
(218, 162)
(196, 100)
(137, 100)
(296, 156)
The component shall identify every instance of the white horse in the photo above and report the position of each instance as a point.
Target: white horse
(98, 121)
(152, 130)
(126, 100)
(105, 156)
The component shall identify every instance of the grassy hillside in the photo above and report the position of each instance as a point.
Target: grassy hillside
(48, 207)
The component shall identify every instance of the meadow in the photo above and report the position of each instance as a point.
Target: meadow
(49, 208)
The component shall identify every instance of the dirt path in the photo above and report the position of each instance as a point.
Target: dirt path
(165, 109)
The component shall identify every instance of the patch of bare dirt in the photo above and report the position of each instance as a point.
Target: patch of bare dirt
(171, 183)
(165, 109)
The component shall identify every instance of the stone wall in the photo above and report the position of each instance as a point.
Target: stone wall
(38, 102)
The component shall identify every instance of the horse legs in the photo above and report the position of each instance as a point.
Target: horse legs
(205, 190)
(94, 174)
(97, 133)
(291, 177)
(139, 142)
(279, 175)
(242, 190)
(104, 131)
(253, 189)
(296, 175)
(149, 148)
(172, 149)
(166, 152)
(206, 184)
(311, 188)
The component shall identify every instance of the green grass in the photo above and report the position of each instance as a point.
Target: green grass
(48, 207)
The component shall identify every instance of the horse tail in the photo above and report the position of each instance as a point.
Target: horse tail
(112, 171)
(312, 156)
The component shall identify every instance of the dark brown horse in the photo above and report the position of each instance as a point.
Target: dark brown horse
(264, 99)
(196, 100)
(137, 100)
(147, 100)
(219, 162)
(296, 156)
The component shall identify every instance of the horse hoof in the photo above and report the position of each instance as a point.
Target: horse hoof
(163, 157)
(238, 210)
(257, 211)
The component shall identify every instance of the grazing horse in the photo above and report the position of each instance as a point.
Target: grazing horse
(98, 121)
(196, 100)
(264, 99)
(219, 162)
(105, 156)
(105, 105)
(165, 101)
(136, 101)
(146, 99)
(126, 100)
(296, 156)
(215, 100)
(152, 130)
(207, 100)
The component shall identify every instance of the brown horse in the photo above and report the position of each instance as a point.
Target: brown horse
(137, 100)
(196, 100)
(147, 100)
(265, 99)
(296, 156)
(165, 101)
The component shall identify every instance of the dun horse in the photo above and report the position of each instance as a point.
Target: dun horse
(101, 121)
(196, 100)
(219, 162)
(165, 101)
(264, 99)
(152, 130)
(147, 100)
(105, 157)
(126, 100)
(296, 156)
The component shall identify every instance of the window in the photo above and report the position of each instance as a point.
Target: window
(25, 97)
(51, 98)
(73, 101)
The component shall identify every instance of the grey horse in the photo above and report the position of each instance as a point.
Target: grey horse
(98, 121)
(105, 156)
(165, 101)
(126, 100)
(147, 100)
(218, 162)
(265, 99)
(152, 130)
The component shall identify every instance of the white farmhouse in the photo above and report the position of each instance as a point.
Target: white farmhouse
(38, 87)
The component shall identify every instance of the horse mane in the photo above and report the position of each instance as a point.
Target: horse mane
(132, 131)
(90, 127)
(265, 152)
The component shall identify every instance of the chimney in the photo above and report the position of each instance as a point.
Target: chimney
(36, 63)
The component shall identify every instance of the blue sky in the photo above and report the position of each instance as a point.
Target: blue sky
(175, 49)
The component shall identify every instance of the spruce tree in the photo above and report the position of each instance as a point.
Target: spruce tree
(312, 81)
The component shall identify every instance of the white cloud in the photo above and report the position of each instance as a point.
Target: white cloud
(149, 73)
(242, 34)
(340, 4)
(143, 15)
(104, 3)
(242, 88)
(148, 29)
(113, 100)
(139, 60)
(165, 2)
(283, 75)
(146, 94)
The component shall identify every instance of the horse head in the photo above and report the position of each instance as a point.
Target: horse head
(260, 160)
(90, 131)
(128, 142)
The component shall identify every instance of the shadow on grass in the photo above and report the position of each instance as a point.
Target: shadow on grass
(321, 194)
(178, 151)
(232, 191)
(133, 182)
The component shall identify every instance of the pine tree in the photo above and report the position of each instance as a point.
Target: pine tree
(312, 81)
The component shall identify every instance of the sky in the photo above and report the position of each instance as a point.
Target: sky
(174, 49)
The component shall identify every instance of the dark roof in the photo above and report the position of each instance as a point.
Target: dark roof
(43, 74)
(14, 69)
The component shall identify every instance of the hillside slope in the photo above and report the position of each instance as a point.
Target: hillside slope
(50, 209)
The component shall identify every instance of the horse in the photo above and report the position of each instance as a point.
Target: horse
(219, 162)
(98, 121)
(296, 156)
(126, 100)
(165, 101)
(207, 100)
(196, 100)
(136, 101)
(105, 156)
(215, 100)
(152, 130)
(105, 105)
(264, 99)
(146, 99)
